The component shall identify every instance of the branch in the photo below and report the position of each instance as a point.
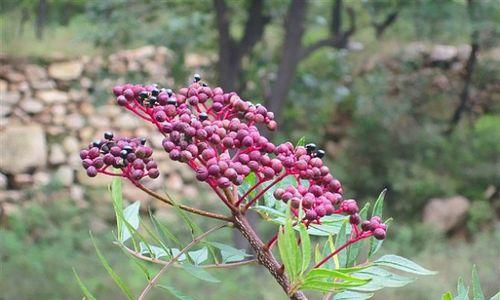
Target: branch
(195, 241)
(338, 39)
(210, 266)
(222, 17)
(254, 27)
(469, 70)
(183, 207)
(380, 27)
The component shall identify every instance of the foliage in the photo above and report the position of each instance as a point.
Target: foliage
(463, 291)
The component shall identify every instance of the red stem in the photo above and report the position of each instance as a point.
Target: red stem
(265, 190)
(349, 242)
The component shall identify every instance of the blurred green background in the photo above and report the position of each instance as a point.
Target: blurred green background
(401, 94)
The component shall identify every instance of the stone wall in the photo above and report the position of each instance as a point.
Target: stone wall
(51, 110)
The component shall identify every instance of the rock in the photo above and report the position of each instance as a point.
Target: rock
(24, 148)
(22, 181)
(71, 145)
(3, 86)
(174, 182)
(34, 72)
(41, 178)
(445, 214)
(52, 96)
(443, 54)
(12, 196)
(44, 85)
(57, 155)
(74, 121)
(99, 181)
(64, 175)
(3, 181)
(77, 194)
(126, 121)
(70, 70)
(77, 95)
(12, 75)
(10, 98)
(5, 110)
(31, 106)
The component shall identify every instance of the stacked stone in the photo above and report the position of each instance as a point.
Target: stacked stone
(48, 112)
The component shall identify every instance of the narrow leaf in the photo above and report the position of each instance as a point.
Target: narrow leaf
(174, 292)
(477, 292)
(306, 247)
(377, 207)
(350, 295)
(117, 279)
(199, 273)
(84, 288)
(462, 290)
(229, 253)
(301, 142)
(403, 264)
(130, 216)
(117, 197)
(447, 296)
(340, 240)
(326, 274)
(199, 256)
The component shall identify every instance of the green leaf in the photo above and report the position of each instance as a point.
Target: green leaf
(229, 253)
(84, 288)
(477, 292)
(378, 206)
(117, 197)
(199, 256)
(195, 229)
(403, 264)
(289, 251)
(327, 274)
(199, 273)
(305, 242)
(496, 296)
(153, 251)
(111, 272)
(381, 278)
(174, 292)
(329, 286)
(350, 295)
(248, 182)
(301, 142)
(340, 240)
(130, 216)
(447, 296)
(462, 290)
(163, 230)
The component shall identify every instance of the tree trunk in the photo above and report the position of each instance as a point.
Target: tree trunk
(264, 256)
(290, 56)
(41, 18)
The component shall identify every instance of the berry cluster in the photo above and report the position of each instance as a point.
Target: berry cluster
(217, 134)
(375, 226)
(131, 156)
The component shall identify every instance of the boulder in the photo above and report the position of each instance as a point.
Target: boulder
(64, 175)
(23, 148)
(69, 70)
(52, 96)
(443, 54)
(57, 155)
(446, 214)
(31, 106)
